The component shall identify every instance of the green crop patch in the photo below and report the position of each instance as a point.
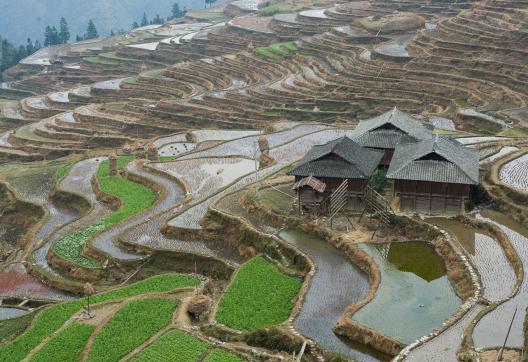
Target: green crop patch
(130, 327)
(274, 9)
(99, 60)
(278, 50)
(259, 296)
(52, 318)
(221, 355)
(67, 345)
(176, 346)
(63, 171)
(134, 197)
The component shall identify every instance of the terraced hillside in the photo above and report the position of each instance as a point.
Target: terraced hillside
(153, 165)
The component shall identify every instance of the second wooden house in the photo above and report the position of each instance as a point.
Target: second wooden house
(434, 176)
(385, 132)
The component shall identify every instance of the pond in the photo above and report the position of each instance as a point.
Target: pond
(414, 296)
(336, 285)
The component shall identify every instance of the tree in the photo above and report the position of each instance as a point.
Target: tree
(78, 38)
(135, 25)
(112, 32)
(48, 36)
(55, 39)
(64, 31)
(10, 54)
(176, 12)
(30, 48)
(157, 20)
(144, 20)
(91, 31)
(210, 2)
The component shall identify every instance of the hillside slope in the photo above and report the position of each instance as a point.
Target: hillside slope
(28, 18)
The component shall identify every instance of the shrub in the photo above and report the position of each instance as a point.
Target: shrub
(175, 346)
(130, 327)
(379, 180)
(274, 339)
(259, 296)
(67, 345)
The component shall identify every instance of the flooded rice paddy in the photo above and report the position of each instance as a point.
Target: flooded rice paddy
(486, 254)
(8, 313)
(491, 329)
(336, 285)
(415, 295)
(515, 173)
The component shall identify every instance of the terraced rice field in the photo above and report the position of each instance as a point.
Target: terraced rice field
(497, 275)
(324, 303)
(134, 197)
(515, 173)
(106, 241)
(52, 318)
(16, 282)
(301, 69)
(8, 313)
(132, 325)
(205, 176)
(504, 151)
(444, 348)
(259, 296)
(175, 342)
(414, 296)
(77, 180)
(491, 330)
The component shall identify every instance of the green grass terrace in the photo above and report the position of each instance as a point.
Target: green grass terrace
(134, 197)
(259, 296)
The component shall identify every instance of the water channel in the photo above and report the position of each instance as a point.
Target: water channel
(336, 285)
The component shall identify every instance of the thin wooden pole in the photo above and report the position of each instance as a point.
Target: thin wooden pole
(499, 357)
(302, 351)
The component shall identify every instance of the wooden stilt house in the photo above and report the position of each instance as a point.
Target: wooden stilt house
(386, 131)
(434, 175)
(324, 169)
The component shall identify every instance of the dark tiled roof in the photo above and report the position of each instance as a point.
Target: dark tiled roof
(452, 162)
(351, 161)
(382, 138)
(402, 126)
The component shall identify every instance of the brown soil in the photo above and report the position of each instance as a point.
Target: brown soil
(507, 356)
(101, 314)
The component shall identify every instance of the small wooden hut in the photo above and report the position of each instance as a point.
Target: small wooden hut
(434, 175)
(388, 130)
(324, 168)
